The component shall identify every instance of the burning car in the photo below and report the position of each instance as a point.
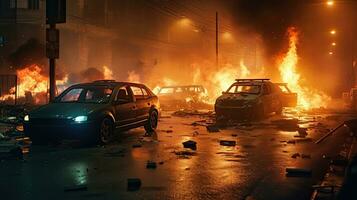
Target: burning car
(253, 99)
(183, 97)
(92, 111)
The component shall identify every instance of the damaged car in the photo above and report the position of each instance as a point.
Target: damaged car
(92, 111)
(249, 99)
(183, 97)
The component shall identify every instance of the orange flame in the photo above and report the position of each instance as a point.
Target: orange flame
(307, 98)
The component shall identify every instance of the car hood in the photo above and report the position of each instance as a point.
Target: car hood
(238, 98)
(65, 110)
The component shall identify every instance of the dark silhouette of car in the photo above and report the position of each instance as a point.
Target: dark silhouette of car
(92, 111)
(249, 99)
(183, 97)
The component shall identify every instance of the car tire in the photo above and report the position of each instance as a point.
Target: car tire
(106, 131)
(152, 122)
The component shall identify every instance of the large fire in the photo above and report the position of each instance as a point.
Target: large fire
(307, 98)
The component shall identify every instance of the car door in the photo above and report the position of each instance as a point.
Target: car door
(141, 102)
(267, 99)
(148, 101)
(287, 98)
(124, 106)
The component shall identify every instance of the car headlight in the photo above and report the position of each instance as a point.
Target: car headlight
(80, 119)
(26, 118)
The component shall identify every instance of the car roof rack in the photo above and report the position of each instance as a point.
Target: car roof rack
(252, 79)
(104, 81)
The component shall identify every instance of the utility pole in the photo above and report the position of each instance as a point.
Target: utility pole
(55, 13)
(217, 65)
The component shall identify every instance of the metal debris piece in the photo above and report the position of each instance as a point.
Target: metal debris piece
(212, 128)
(227, 143)
(151, 165)
(190, 144)
(308, 156)
(295, 155)
(298, 172)
(133, 184)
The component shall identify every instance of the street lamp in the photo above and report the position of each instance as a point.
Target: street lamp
(333, 43)
(333, 32)
(331, 53)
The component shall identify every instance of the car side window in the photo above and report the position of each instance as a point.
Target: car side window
(145, 92)
(137, 92)
(72, 95)
(123, 95)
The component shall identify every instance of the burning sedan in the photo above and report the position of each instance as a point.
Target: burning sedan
(183, 97)
(253, 99)
(92, 111)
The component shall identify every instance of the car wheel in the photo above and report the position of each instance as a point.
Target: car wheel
(106, 131)
(152, 122)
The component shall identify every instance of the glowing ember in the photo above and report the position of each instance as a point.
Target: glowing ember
(307, 98)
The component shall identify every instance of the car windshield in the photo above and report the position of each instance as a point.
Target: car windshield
(249, 89)
(95, 94)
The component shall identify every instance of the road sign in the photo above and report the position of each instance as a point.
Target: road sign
(52, 43)
(55, 11)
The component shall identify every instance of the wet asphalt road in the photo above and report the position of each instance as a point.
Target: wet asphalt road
(253, 169)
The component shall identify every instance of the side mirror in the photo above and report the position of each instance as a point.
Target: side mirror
(224, 92)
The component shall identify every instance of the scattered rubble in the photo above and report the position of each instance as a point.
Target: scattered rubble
(306, 156)
(298, 172)
(295, 155)
(227, 143)
(185, 153)
(133, 184)
(190, 144)
(151, 165)
(212, 128)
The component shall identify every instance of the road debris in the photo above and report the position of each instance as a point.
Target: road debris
(295, 155)
(306, 156)
(185, 153)
(134, 184)
(227, 143)
(212, 128)
(190, 144)
(298, 172)
(151, 165)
